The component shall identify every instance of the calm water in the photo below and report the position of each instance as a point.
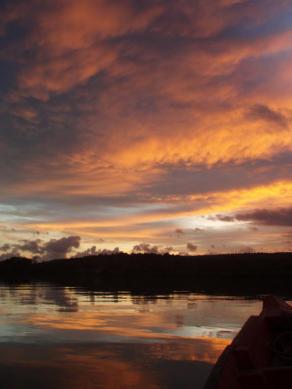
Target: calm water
(63, 337)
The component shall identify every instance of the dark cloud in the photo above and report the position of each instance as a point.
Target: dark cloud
(59, 248)
(90, 251)
(35, 247)
(13, 252)
(146, 248)
(5, 247)
(54, 248)
(224, 218)
(263, 112)
(93, 251)
(269, 217)
(181, 180)
(192, 247)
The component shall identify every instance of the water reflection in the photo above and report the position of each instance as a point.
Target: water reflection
(85, 339)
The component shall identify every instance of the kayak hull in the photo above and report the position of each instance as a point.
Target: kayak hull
(260, 356)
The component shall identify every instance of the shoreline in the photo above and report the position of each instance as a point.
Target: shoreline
(234, 274)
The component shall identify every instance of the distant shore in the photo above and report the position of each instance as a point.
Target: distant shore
(235, 274)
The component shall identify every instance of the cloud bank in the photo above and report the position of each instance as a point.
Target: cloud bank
(38, 249)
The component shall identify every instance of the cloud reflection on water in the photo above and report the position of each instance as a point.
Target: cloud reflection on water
(90, 339)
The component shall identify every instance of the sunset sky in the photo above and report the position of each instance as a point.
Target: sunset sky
(145, 125)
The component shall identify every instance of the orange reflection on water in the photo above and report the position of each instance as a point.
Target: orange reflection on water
(66, 366)
(60, 337)
(102, 366)
(140, 329)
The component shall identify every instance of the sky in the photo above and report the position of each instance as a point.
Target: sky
(145, 126)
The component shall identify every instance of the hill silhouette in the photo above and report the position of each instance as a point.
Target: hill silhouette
(230, 274)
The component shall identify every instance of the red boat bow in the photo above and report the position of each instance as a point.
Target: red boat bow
(260, 356)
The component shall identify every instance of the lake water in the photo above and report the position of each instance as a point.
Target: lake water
(64, 337)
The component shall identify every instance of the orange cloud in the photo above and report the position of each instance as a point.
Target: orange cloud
(112, 101)
(70, 38)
